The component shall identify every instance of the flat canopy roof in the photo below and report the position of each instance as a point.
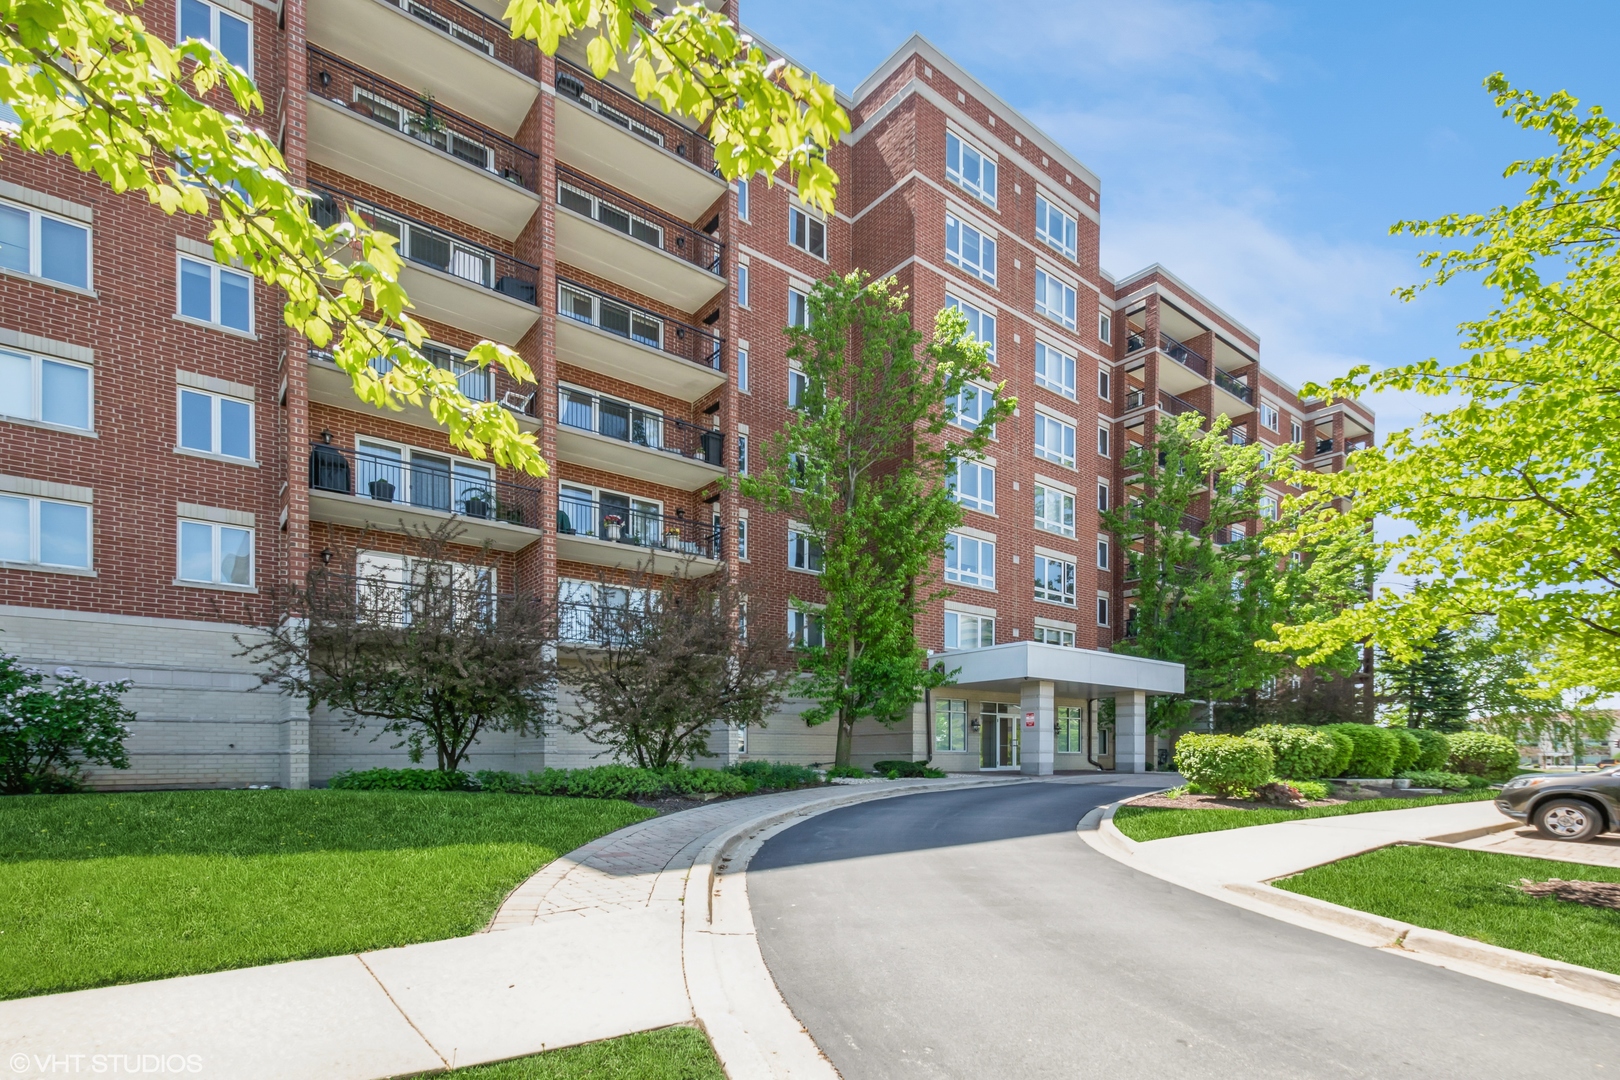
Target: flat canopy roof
(1081, 673)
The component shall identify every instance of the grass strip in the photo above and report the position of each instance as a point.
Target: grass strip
(672, 1053)
(1157, 823)
(101, 889)
(1473, 894)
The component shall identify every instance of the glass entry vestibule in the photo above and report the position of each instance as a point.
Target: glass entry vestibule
(998, 735)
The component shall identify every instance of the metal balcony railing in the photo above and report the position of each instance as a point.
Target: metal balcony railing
(1238, 437)
(637, 220)
(1324, 446)
(1182, 355)
(1237, 389)
(423, 481)
(607, 312)
(423, 119)
(1135, 341)
(585, 411)
(1175, 406)
(639, 119)
(617, 521)
(462, 22)
(443, 595)
(429, 246)
(1135, 399)
(1352, 445)
(476, 383)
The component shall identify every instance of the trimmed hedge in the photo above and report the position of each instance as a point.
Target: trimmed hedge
(1301, 753)
(1224, 764)
(597, 782)
(1451, 781)
(1345, 749)
(1410, 749)
(1374, 753)
(1480, 753)
(1435, 752)
(402, 780)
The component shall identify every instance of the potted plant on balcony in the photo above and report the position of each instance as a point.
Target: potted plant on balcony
(476, 504)
(382, 490)
(672, 538)
(613, 525)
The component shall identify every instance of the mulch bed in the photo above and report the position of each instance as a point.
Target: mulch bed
(1215, 802)
(1601, 894)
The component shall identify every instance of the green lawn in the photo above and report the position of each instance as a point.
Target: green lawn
(1156, 823)
(102, 889)
(1472, 894)
(675, 1053)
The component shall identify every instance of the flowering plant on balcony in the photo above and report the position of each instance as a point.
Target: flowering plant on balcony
(612, 521)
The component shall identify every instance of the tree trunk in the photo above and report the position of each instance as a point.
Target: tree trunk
(846, 738)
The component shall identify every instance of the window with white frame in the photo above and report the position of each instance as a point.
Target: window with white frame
(1054, 440)
(231, 34)
(1054, 635)
(981, 324)
(1102, 497)
(44, 245)
(742, 370)
(1102, 553)
(1105, 328)
(970, 560)
(215, 554)
(1054, 510)
(1071, 719)
(742, 455)
(968, 631)
(804, 551)
(216, 424)
(798, 388)
(1102, 441)
(807, 232)
(1055, 299)
(1054, 580)
(1055, 227)
(215, 294)
(1102, 609)
(394, 472)
(614, 217)
(966, 248)
(1296, 434)
(975, 401)
(742, 198)
(621, 320)
(742, 539)
(1235, 533)
(973, 484)
(742, 285)
(968, 168)
(1268, 507)
(950, 725)
(45, 389)
(44, 532)
(1104, 384)
(806, 628)
(798, 309)
(1268, 416)
(1054, 369)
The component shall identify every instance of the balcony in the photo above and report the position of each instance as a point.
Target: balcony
(633, 147)
(463, 58)
(613, 337)
(394, 489)
(392, 138)
(1189, 372)
(631, 244)
(1135, 399)
(1324, 446)
(1177, 406)
(449, 278)
(614, 533)
(1235, 388)
(330, 385)
(616, 436)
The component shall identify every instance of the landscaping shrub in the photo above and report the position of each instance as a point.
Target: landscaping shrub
(48, 732)
(1479, 753)
(1408, 751)
(846, 772)
(906, 770)
(1312, 790)
(1374, 752)
(1436, 778)
(1435, 752)
(1224, 764)
(401, 780)
(1301, 753)
(1345, 748)
(774, 775)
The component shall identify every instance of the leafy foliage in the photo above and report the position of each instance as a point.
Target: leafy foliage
(1224, 764)
(1437, 778)
(1374, 750)
(1408, 749)
(597, 782)
(1479, 753)
(401, 780)
(1301, 753)
(1431, 689)
(49, 732)
(906, 770)
(1434, 749)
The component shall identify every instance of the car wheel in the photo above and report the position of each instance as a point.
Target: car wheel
(1568, 819)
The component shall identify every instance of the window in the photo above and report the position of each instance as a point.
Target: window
(1102, 497)
(969, 249)
(608, 315)
(981, 324)
(964, 631)
(1102, 441)
(1054, 510)
(50, 391)
(742, 455)
(1105, 328)
(212, 424)
(798, 309)
(1268, 507)
(971, 407)
(969, 169)
(1071, 721)
(215, 554)
(742, 285)
(1268, 416)
(1054, 580)
(231, 34)
(587, 205)
(44, 532)
(950, 725)
(216, 294)
(1102, 553)
(1054, 440)
(45, 246)
(742, 198)
(973, 484)
(1054, 635)
(1102, 609)
(970, 560)
(798, 388)
(806, 232)
(804, 551)
(1235, 533)
(742, 539)
(1054, 299)
(1054, 227)
(805, 629)
(1054, 369)
(390, 472)
(742, 370)
(1103, 385)
(1295, 433)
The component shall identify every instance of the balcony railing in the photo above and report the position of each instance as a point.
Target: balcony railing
(1182, 355)
(1352, 445)
(462, 22)
(423, 482)
(398, 109)
(1135, 399)
(1324, 446)
(606, 312)
(620, 523)
(1238, 437)
(584, 411)
(475, 383)
(426, 245)
(1175, 406)
(1135, 341)
(584, 196)
(1239, 390)
(639, 119)
(445, 595)
(1192, 524)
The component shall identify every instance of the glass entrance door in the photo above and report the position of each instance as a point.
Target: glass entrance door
(998, 736)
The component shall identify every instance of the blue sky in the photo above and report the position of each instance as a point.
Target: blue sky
(1260, 150)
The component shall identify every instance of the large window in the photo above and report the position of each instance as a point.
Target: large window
(950, 725)
(43, 389)
(807, 232)
(970, 560)
(1054, 580)
(981, 324)
(609, 515)
(969, 249)
(44, 245)
(973, 484)
(1054, 635)
(1071, 724)
(1054, 440)
(1054, 227)
(1054, 369)
(612, 316)
(231, 34)
(215, 554)
(1268, 507)
(214, 424)
(798, 309)
(969, 169)
(44, 532)
(215, 294)
(614, 217)
(1054, 510)
(390, 472)
(804, 551)
(1055, 299)
(1268, 416)
(968, 631)
(798, 388)
(806, 628)
(971, 407)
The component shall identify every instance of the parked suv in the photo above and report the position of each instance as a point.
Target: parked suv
(1570, 807)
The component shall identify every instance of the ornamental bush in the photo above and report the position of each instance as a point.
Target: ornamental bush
(1435, 750)
(1436, 778)
(402, 780)
(1410, 749)
(1311, 790)
(1479, 753)
(48, 733)
(1301, 753)
(774, 775)
(1344, 749)
(596, 782)
(906, 770)
(1374, 752)
(1224, 764)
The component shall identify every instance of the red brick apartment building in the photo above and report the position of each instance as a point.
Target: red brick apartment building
(172, 453)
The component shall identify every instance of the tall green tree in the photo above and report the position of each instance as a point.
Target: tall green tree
(863, 464)
(1429, 690)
